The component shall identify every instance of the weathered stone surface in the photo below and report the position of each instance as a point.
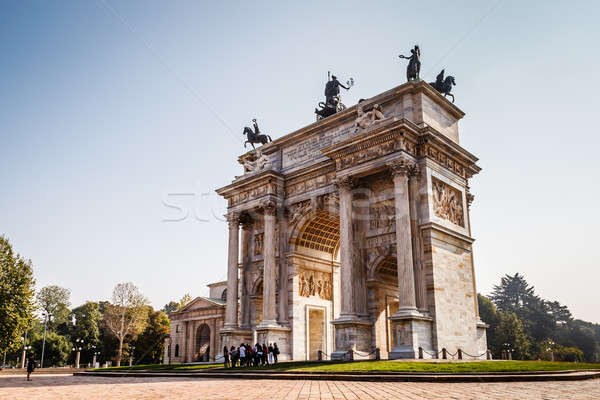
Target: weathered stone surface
(367, 234)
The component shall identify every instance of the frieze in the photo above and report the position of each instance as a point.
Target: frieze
(382, 215)
(442, 159)
(315, 283)
(309, 184)
(359, 154)
(447, 202)
(258, 243)
(297, 211)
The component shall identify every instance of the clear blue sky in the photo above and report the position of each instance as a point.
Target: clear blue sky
(107, 107)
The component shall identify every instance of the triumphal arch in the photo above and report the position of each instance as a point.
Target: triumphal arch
(353, 234)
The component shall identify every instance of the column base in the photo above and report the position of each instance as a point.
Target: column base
(273, 333)
(233, 337)
(410, 333)
(353, 339)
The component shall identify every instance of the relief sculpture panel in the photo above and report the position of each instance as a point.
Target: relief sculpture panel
(383, 215)
(447, 202)
(315, 283)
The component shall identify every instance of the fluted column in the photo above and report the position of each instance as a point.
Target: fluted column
(406, 278)
(244, 300)
(231, 309)
(413, 185)
(347, 277)
(269, 316)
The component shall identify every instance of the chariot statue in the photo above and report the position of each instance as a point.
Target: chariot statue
(444, 85)
(254, 136)
(333, 101)
(414, 64)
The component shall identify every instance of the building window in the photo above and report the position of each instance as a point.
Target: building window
(169, 351)
(176, 350)
(224, 295)
(176, 328)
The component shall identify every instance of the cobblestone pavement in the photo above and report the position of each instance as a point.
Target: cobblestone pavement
(83, 387)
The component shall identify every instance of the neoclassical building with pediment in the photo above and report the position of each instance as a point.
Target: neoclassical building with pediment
(353, 234)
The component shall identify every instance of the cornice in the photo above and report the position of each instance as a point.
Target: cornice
(250, 181)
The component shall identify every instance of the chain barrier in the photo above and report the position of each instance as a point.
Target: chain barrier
(358, 353)
(475, 357)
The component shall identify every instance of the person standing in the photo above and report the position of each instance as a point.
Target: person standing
(225, 357)
(265, 354)
(275, 352)
(242, 355)
(30, 365)
(270, 348)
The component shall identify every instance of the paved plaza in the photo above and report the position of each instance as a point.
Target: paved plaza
(84, 387)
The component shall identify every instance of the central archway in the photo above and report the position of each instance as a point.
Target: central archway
(202, 352)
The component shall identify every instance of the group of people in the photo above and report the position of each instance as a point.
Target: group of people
(247, 355)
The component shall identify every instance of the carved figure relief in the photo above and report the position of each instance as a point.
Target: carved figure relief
(383, 215)
(447, 202)
(368, 118)
(258, 243)
(256, 162)
(315, 283)
(297, 211)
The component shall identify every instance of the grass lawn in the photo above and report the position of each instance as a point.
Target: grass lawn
(380, 366)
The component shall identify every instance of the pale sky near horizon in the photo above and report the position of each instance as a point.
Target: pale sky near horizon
(110, 109)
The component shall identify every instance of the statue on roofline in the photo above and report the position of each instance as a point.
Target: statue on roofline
(332, 102)
(414, 64)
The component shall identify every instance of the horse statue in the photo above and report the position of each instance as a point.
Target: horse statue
(254, 136)
(414, 64)
(444, 85)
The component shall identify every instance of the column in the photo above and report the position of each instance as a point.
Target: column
(231, 309)
(406, 279)
(269, 316)
(347, 277)
(244, 301)
(413, 187)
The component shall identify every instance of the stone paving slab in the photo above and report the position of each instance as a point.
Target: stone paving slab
(365, 377)
(92, 387)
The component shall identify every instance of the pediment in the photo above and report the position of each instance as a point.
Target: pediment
(201, 303)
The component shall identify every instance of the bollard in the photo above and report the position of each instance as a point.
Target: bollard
(488, 355)
(377, 354)
(459, 351)
(444, 355)
(320, 355)
(350, 355)
(420, 353)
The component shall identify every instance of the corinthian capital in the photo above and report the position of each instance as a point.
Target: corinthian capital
(269, 207)
(346, 182)
(233, 218)
(402, 167)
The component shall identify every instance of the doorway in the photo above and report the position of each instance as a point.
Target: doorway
(316, 336)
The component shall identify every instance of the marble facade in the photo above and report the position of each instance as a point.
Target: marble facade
(354, 236)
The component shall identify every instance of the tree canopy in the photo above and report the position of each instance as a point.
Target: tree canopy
(16, 295)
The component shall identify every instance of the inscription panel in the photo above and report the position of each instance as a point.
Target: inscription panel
(309, 149)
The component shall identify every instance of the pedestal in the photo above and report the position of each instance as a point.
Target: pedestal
(269, 334)
(353, 340)
(410, 333)
(233, 337)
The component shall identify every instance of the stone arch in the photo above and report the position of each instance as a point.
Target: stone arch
(385, 269)
(202, 349)
(257, 287)
(318, 231)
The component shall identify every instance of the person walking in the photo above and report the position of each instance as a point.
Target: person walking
(30, 365)
(270, 348)
(225, 357)
(275, 352)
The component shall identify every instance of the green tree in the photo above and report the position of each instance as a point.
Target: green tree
(87, 319)
(54, 302)
(16, 296)
(57, 349)
(170, 307)
(512, 294)
(150, 344)
(510, 331)
(127, 316)
(185, 300)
